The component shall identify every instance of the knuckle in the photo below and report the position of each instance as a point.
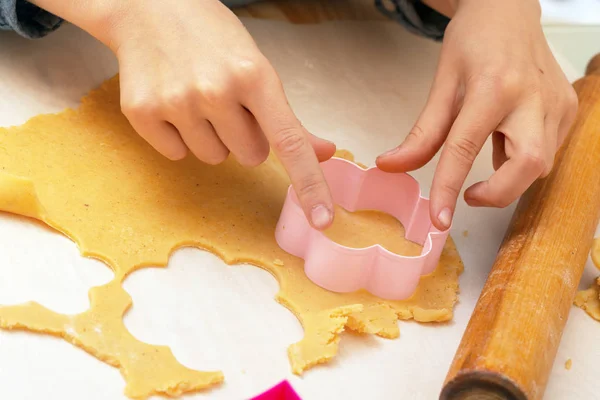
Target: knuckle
(249, 70)
(451, 190)
(416, 134)
(289, 141)
(425, 140)
(464, 150)
(138, 107)
(311, 186)
(535, 161)
(175, 98)
(214, 94)
(502, 82)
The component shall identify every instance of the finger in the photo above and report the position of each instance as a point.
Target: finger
(161, 135)
(477, 120)
(429, 132)
(143, 114)
(203, 142)
(529, 153)
(324, 149)
(508, 183)
(290, 142)
(499, 150)
(242, 135)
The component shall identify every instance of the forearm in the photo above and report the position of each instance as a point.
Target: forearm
(97, 17)
(449, 7)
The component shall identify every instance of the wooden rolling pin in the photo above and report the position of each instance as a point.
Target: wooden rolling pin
(510, 343)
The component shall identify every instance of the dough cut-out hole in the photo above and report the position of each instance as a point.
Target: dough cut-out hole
(349, 229)
(41, 265)
(35, 364)
(228, 309)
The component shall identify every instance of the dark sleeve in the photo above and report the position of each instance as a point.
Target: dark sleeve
(26, 19)
(416, 17)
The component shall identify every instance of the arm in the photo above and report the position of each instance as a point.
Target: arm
(496, 77)
(193, 80)
(99, 18)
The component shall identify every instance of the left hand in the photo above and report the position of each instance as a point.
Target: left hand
(496, 76)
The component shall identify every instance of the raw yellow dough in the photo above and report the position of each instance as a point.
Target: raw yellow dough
(366, 228)
(596, 252)
(86, 173)
(568, 364)
(589, 299)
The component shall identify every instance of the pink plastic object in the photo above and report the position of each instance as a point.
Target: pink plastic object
(343, 269)
(282, 391)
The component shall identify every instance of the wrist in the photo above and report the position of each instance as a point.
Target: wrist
(444, 7)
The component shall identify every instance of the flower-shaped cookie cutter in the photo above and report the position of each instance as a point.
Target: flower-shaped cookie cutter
(343, 269)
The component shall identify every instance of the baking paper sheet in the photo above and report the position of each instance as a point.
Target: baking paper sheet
(571, 12)
(359, 84)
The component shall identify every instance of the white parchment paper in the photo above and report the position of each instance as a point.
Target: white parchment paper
(359, 84)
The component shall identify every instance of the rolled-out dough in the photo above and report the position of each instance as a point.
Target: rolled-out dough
(589, 299)
(87, 174)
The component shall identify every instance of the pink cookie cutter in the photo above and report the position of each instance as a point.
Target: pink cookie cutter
(343, 269)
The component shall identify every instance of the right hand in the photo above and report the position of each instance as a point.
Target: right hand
(192, 79)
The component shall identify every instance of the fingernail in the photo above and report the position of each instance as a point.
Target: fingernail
(321, 217)
(445, 217)
(390, 152)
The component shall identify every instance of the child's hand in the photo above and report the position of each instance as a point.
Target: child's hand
(192, 79)
(496, 74)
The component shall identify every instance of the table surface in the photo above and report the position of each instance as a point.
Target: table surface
(365, 98)
(312, 11)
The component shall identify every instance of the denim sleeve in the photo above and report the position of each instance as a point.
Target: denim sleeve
(31, 21)
(26, 19)
(416, 17)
